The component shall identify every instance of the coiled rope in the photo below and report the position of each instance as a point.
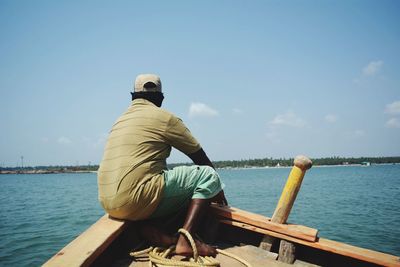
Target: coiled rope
(162, 257)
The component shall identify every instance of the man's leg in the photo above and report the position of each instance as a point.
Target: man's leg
(160, 231)
(196, 186)
(195, 213)
(156, 236)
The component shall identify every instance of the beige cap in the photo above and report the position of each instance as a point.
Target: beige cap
(142, 80)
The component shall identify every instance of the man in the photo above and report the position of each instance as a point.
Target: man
(134, 183)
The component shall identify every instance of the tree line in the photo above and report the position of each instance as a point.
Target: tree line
(243, 163)
(286, 162)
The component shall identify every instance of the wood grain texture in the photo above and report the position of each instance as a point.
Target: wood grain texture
(330, 246)
(298, 231)
(288, 196)
(287, 252)
(83, 250)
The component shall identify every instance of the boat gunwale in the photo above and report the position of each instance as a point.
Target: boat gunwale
(88, 246)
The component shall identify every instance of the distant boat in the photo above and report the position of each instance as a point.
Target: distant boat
(366, 163)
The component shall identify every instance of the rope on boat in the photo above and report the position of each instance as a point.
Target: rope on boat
(161, 257)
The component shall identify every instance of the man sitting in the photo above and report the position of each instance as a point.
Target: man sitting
(133, 179)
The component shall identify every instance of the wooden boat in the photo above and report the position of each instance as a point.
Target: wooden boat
(259, 240)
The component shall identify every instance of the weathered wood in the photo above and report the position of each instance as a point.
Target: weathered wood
(331, 246)
(253, 255)
(267, 242)
(298, 231)
(89, 245)
(260, 230)
(287, 252)
(83, 250)
(284, 206)
(299, 263)
(292, 187)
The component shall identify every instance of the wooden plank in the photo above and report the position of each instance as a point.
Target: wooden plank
(292, 187)
(260, 230)
(298, 231)
(84, 249)
(299, 263)
(358, 253)
(267, 242)
(253, 255)
(287, 252)
(362, 254)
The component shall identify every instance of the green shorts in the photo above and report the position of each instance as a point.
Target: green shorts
(185, 183)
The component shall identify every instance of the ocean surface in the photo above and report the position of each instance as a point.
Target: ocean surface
(40, 214)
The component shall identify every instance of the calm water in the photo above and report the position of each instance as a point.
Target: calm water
(39, 214)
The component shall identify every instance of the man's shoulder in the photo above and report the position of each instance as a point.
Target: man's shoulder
(147, 106)
(143, 110)
(168, 113)
(155, 114)
(159, 114)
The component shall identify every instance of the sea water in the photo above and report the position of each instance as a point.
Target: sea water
(41, 213)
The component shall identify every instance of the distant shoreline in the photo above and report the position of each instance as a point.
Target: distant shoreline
(314, 166)
(61, 171)
(41, 171)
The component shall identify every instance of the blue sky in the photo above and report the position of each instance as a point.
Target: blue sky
(251, 79)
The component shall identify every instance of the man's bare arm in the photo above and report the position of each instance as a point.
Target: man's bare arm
(200, 158)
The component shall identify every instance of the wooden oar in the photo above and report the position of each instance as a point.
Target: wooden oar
(284, 206)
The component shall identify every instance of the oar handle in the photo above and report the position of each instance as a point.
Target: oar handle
(292, 187)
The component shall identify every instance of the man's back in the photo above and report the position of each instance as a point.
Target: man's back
(133, 181)
(135, 156)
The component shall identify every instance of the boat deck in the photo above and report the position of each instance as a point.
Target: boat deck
(253, 255)
(109, 242)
